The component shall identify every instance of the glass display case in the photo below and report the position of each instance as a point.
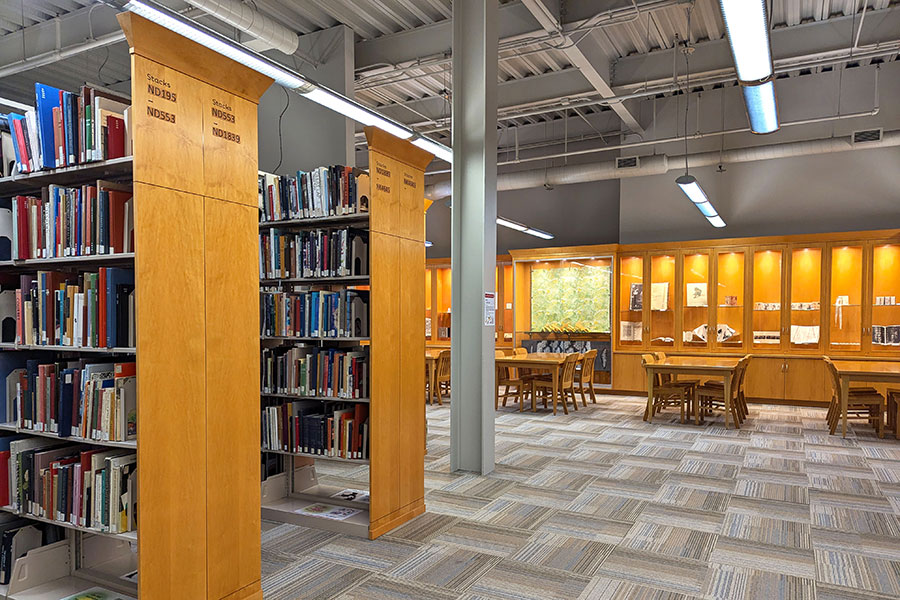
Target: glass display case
(440, 327)
(768, 275)
(631, 301)
(805, 321)
(845, 302)
(662, 301)
(571, 296)
(885, 298)
(505, 317)
(428, 321)
(695, 304)
(729, 300)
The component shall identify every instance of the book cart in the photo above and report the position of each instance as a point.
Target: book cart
(394, 284)
(196, 294)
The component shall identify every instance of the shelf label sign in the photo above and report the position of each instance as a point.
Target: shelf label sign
(490, 305)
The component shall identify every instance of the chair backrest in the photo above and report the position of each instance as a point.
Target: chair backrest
(502, 372)
(443, 364)
(739, 371)
(520, 351)
(835, 378)
(587, 367)
(660, 356)
(568, 370)
(499, 353)
(647, 359)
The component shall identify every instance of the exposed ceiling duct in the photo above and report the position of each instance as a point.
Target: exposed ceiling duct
(659, 164)
(237, 14)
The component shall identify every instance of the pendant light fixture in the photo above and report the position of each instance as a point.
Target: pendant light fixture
(687, 182)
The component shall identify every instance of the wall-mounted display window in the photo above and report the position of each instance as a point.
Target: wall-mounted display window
(845, 304)
(806, 298)
(662, 300)
(571, 296)
(767, 293)
(885, 299)
(631, 300)
(695, 301)
(730, 300)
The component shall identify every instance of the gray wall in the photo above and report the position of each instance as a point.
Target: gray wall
(844, 191)
(311, 135)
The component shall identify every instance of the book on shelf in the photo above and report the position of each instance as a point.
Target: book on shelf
(321, 192)
(636, 298)
(91, 219)
(89, 401)
(310, 254)
(332, 429)
(659, 296)
(886, 335)
(74, 484)
(7, 152)
(313, 371)
(631, 331)
(314, 313)
(81, 310)
(67, 128)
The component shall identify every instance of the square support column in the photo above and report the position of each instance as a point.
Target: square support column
(473, 234)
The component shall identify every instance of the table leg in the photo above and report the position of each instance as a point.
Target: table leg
(648, 413)
(555, 372)
(845, 392)
(728, 399)
(432, 381)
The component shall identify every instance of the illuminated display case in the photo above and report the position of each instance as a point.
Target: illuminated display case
(805, 308)
(695, 313)
(729, 299)
(884, 332)
(662, 300)
(846, 299)
(631, 301)
(768, 288)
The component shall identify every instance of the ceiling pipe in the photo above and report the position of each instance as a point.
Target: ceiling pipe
(252, 22)
(659, 164)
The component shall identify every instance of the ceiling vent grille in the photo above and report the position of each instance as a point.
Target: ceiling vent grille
(866, 136)
(628, 162)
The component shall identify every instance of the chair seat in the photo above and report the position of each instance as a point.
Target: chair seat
(863, 390)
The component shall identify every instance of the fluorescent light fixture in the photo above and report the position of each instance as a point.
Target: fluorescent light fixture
(761, 107)
(428, 244)
(716, 221)
(354, 111)
(692, 189)
(212, 40)
(14, 104)
(539, 233)
(748, 33)
(439, 150)
(510, 224)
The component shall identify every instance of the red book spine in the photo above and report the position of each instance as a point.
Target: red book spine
(4, 477)
(23, 147)
(115, 128)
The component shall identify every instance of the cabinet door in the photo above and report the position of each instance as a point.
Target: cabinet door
(628, 374)
(662, 301)
(695, 313)
(806, 380)
(765, 379)
(845, 308)
(730, 333)
(884, 299)
(430, 286)
(805, 300)
(630, 302)
(767, 321)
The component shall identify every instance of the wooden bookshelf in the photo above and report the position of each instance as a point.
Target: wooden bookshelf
(396, 229)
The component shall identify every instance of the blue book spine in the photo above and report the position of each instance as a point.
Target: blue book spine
(46, 98)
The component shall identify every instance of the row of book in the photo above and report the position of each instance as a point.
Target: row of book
(319, 253)
(311, 371)
(18, 536)
(321, 192)
(73, 221)
(314, 313)
(323, 428)
(82, 310)
(82, 399)
(67, 129)
(70, 483)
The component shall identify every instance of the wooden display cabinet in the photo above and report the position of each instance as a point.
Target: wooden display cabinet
(767, 283)
(728, 331)
(659, 301)
(630, 302)
(695, 306)
(882, 300)
(804, 308)
(845, 308)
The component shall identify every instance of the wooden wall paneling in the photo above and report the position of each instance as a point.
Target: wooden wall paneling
(171, 369)
(167, 124)
(232, 388)
(765, 378)
(627, 373)
(230, 161)
(410, 183)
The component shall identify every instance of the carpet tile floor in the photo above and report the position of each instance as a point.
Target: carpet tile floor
(599, 505)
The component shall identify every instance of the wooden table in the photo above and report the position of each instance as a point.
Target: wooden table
(692, 365)
(431, 357)
(869, 371)
(543, 361)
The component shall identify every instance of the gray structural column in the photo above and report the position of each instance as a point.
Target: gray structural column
(473, 234)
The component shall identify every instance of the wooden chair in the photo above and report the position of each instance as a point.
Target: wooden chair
(566, 387)
(665, 394)
(690, 385)
(506, 378)
(526, 375)
(584, 376)
(442, 376)
(893, 411)
(710, 397)
(739, 400)
(863, 403)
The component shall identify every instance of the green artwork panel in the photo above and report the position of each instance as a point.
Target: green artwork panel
(570, 299)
